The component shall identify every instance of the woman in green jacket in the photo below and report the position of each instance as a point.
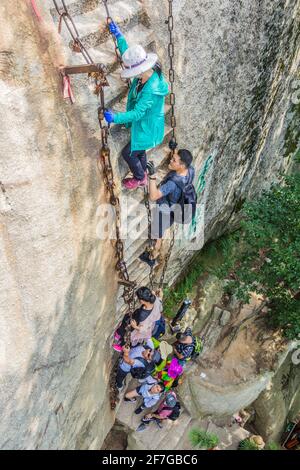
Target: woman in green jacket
(145, 107)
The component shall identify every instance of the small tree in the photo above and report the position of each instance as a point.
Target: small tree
(201, 439)
(264, 256)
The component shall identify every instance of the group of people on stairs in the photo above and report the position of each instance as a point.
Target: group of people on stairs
(145, 116)
(155, 363)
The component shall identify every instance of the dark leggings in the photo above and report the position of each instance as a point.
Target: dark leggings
(120, 377)
(136, 160)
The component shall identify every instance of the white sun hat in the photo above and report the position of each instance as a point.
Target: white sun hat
(165, 349)
(136, 61)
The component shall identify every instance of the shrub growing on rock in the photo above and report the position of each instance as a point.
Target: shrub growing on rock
(246, 444)
(264, 256)
(201, 439)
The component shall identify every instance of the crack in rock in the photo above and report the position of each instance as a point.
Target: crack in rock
(54, 364)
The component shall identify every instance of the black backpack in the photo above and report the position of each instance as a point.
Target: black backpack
(143, 372)
(175, 411)
(188, 198)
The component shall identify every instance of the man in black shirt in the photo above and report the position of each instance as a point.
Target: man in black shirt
(166, 195)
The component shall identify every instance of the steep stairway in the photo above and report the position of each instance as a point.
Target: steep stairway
(90, 19)
(174, 435)
(153, 438)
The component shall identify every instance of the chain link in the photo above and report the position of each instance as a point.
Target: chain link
(108, 21)
(173, 141)
(168, 255)
(129, 290)
(117, 52)
(172, 144)
(121, 266)
(171, 49)
(150, 241)
(77, 45)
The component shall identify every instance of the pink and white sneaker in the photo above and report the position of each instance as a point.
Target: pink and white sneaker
(117, 347)
(132, 183)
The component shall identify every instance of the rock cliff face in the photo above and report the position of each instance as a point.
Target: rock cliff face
(237, 100)
(279, 401)
(236, 86)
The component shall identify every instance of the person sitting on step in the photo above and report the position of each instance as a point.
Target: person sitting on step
(139, 361)
(144, 319)
(166, 195)
(165, 410)
(145, 107)
(150, 392)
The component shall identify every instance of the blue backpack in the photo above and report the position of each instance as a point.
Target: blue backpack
(188, 199)
(159, 328)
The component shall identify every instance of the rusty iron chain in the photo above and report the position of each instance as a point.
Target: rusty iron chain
(173, 141)
(114, 392)
(129, 292)
(166, 261)
(117, 52)
(108, 21)
(77, 45)
(109, 181)
(171, 50)
(173, 144)
(105, 167)
(150, 241)
(129, 289)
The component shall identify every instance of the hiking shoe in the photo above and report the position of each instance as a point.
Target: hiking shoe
(145, 257)
(133, 183)
(147, 420)
(139, 410)
(120, 389)
(130, 400)
(141, 427)
(117, 347)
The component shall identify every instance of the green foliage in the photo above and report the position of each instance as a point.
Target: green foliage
(247, 445)
(273, 446)
(264, 256)
(209, 256)
(201, 439)
(173, 297)
(292, 135)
